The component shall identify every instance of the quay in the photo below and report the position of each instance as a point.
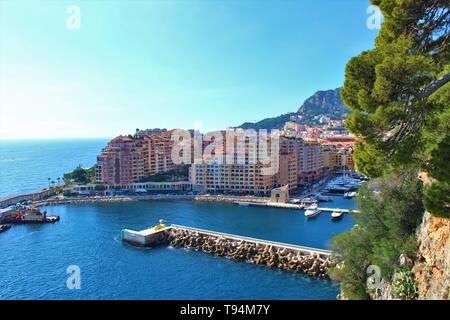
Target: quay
(311, 261)
(33, 196)
(110, 199)
(289, 206)
(217, 198)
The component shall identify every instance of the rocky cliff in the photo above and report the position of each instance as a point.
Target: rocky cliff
(322, 102)
(432, 267)
(327, 102)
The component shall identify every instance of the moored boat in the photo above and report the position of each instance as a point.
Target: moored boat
(337, 215)
(323, 198)
(4, 227)
(312, 211)
(349, 195)
(25, 214)
(241, 203)
(308, 201)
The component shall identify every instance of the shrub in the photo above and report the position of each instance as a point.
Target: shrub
(404, 285)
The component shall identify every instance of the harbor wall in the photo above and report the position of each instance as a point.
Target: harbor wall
(146, 238)
(311, 261)
(210, 198)
(33, 196)
(108, 199)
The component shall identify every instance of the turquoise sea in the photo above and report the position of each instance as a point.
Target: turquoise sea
(34, 258)
(26, 165)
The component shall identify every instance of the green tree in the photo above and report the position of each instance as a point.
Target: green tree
(390, 207)
(399, 96)
(80, 175)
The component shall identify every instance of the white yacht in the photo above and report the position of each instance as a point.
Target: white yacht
(337, 215)
(312, 211)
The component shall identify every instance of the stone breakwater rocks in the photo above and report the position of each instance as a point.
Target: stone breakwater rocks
(256, 253)
(54, 202)
(231, 199)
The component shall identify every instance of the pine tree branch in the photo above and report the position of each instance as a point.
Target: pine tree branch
(434, 86)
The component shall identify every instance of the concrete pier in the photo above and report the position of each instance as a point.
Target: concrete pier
(145, 238)
(288, 206)
(312, 261)
(279, 245)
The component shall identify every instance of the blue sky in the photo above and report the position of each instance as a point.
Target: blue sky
(144, 64)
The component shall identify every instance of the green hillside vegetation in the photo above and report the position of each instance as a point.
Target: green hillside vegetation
(399, 94)
(323, 102)
(80, 175)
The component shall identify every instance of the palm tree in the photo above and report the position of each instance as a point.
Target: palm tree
(49, 182)
(59, 181)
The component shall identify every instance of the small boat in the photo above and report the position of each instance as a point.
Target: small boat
(337, 215)
(349, 195)
(4, 227)
(307, 201)
(323, 198)
(245, 204)
(51, 219)
(310, 213)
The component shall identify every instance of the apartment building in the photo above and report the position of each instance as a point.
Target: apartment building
(129, 159)
(310, 162)
(243, 174)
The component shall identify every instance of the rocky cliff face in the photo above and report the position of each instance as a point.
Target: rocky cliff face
(323, 102)
(326, 102)
(432, 267)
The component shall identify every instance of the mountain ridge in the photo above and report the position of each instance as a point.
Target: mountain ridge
(322, 102)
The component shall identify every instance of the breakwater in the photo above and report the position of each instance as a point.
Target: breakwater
(32, 196)
(210, 198)
(107, 199)
(311, 261)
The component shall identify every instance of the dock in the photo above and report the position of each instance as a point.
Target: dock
(289, 206)
(296, 248)
(312, 261)
(270, 205)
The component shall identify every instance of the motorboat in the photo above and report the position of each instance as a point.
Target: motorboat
(337, 215)
(307, 201)
(313, 206)
(323, 198)
(4, 227)
(312, 211)
(349, 195)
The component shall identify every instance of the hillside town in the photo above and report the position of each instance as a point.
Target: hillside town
(306, 155)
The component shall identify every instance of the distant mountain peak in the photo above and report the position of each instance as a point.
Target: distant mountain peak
(327, 102)
(322, 102)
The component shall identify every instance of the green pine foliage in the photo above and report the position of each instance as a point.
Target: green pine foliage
(80, 175)
(404, 285)
(399, 94)
(390, 209)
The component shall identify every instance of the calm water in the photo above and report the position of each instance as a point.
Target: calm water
(26, 165)
(34, 258)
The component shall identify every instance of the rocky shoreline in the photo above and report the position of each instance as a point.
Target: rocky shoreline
(54, 202)
(260, 254)
(210, 198)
